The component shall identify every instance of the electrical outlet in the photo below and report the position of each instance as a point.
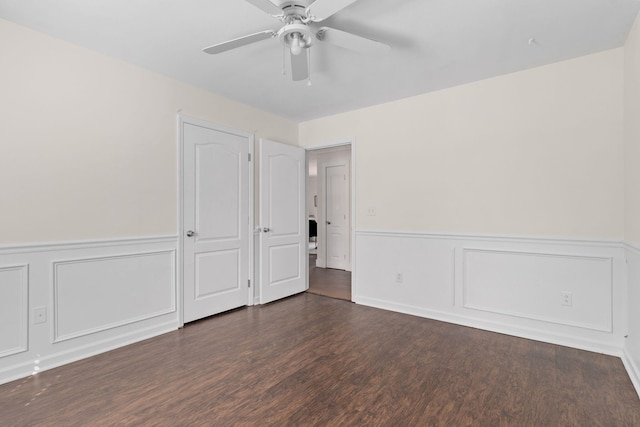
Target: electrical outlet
(371, 211)
(567, 298)
(398, 277)
(39, 315)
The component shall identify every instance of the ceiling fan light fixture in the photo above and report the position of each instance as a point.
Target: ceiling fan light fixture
(296, 37)
(296, 46)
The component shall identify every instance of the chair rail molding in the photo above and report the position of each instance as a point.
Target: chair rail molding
(71, 300)
(507, 284)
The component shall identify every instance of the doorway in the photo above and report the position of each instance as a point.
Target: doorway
(216, 246)
(329, 201)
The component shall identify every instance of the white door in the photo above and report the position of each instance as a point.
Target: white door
(283, 240)
(337, 216)
(215, 219)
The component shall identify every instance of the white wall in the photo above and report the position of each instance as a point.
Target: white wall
(89, 154)
(632, 200)
(90, 142)
(534, 153)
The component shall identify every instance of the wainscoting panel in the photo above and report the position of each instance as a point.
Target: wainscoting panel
(14, 294)
(92, 295)
(415, 272)
(532, 285)
(78, 299)
(503, 284)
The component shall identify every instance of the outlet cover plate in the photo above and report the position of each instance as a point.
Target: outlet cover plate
(567, 299)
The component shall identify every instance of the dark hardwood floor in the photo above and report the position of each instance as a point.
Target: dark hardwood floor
(329, 282)
(309, 360)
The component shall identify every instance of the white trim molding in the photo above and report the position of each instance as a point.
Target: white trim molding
(566, 340)
(504, 284)
(529, 288)
(432, 285)
(89, 296)
(82, 244)
(631, 357)
(139, 285)
(616, 244)
(632, 369)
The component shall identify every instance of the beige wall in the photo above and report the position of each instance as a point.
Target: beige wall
(534, 153)
(88, 144)
(632, 135)
(88, 148)
(632, 188)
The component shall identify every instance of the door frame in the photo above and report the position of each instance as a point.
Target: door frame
(352, 243)
(181, 120)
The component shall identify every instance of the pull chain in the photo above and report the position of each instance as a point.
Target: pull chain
(284, 53)
(309, 67)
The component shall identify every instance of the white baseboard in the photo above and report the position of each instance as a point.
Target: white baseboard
(91, 296)
(632, 336)
(504, 284)
(498, 327)
(632, 370)
(54, 360)
(433, 286)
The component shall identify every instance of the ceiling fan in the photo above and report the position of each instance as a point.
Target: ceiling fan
(301, 29)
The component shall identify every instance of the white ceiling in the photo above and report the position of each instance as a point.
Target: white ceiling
(435, 44)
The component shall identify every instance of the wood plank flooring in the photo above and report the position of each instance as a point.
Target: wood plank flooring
(315, 361)
(329, 282)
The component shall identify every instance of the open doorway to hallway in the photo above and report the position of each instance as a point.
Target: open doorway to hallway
(329, 209)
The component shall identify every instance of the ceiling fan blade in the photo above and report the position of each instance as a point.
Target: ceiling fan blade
(322, 9)
(352, 42)
(300, 65)
(266, 6)
(240, 41)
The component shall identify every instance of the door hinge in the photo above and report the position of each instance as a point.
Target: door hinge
(249, 282)
(249, 156)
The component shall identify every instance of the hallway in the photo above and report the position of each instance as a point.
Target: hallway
(329, 282)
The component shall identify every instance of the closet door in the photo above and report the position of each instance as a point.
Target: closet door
(283, 222)
(215, 231)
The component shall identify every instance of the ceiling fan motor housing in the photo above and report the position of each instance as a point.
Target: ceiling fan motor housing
(296, 9)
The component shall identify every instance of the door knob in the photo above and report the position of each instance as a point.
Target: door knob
(190, 233)
(328, 222)
(266, 230)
